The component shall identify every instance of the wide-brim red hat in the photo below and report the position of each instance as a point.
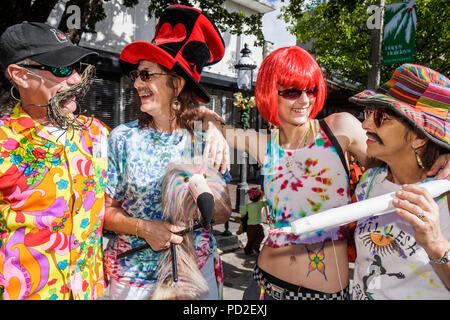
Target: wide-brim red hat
(185, 41)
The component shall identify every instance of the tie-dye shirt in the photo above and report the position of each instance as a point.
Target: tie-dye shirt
(390, 265)
(51, 210)
(303, 182)
(137, 162)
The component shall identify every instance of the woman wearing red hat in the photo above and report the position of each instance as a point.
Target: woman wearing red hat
(305, 172)
(166, 75)
(405, 254)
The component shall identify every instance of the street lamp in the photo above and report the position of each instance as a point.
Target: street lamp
(245, 68)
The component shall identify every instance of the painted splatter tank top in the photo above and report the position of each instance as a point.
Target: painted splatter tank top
(303, 182)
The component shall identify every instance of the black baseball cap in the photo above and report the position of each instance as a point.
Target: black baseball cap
(41, 43)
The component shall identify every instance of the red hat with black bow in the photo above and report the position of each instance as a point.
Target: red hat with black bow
(185, 41)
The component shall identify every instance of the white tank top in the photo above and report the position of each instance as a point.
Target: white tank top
(303, 182)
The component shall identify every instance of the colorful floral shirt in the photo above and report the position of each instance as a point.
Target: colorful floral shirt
(137, 161)
(51, 210)
(390, 265)
(303, 182)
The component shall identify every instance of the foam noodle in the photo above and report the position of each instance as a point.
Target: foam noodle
(358, 210)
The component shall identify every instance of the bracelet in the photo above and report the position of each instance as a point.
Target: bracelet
(137, 227)
(445, 258)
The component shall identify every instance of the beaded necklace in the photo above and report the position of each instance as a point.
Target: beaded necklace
(290, 159)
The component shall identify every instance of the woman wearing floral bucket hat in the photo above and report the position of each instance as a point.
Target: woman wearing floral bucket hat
(166, 75)
(405, 254)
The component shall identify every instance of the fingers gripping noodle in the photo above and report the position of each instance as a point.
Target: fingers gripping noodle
(357, 211)
(190, 192)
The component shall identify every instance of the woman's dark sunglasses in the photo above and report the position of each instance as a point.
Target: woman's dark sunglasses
(379, 115)
(294, 94)
(60, 72)
(144, 75)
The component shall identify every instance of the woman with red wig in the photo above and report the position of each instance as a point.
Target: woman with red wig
(304, 173)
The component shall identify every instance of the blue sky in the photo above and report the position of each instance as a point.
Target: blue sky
(275, 30)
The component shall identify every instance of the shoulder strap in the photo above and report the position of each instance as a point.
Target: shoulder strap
(335, 144)
(370, 184)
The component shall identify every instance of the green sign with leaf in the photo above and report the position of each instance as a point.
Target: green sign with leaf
(400, 22)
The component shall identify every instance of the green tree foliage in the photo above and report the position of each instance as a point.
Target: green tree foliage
(341, 39)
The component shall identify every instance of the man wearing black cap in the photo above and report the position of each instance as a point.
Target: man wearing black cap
(52, 171)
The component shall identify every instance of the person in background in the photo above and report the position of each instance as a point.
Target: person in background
(254, 212)
(52, 171)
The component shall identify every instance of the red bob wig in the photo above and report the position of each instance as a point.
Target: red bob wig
(289, 67)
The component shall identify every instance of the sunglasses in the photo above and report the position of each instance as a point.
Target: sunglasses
(379, 115)
(294, 94)
(144, 75)
(60, 72)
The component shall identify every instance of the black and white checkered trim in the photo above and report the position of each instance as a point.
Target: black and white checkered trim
(279, 293)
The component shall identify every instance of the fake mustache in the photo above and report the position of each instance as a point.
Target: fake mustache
(375, 136)
(76, 93)
(143, 91)
(78, 90)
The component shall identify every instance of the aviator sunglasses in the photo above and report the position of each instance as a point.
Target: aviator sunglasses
(379, 115)
(144, 75)
(60, 72)
(294, 94)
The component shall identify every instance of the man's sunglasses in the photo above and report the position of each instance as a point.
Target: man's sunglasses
(144, 75)
(294, 94)
(60, 72)
(379, 115)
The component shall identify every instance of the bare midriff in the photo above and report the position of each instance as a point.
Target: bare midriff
(309, 265)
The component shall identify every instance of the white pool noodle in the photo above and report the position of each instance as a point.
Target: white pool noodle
(358, 210)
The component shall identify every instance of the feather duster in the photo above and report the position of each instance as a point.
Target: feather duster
(180, 208)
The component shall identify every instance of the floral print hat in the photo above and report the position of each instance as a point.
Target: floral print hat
(418, 94)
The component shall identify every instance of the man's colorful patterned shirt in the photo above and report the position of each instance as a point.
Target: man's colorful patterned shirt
(51, 210)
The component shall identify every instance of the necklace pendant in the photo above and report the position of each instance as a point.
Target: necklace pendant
(289, 164)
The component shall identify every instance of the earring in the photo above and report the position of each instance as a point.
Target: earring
(176, 104)
(419, 161)
(12, 93)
